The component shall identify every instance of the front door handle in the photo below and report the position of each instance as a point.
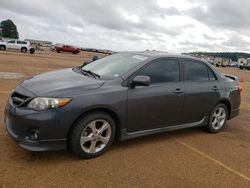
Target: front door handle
(215, 88)
(178, 91)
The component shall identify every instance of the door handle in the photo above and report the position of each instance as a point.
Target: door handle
(215, 88)
(178, 91)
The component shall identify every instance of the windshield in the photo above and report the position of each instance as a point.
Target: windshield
(115, 65)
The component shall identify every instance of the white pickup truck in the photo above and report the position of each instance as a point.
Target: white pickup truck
(22, 46)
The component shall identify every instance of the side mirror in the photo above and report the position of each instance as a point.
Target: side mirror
(141, 81)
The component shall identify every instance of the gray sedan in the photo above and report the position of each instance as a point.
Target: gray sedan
(119, 97)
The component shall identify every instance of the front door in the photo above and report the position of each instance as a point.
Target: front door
(159, 104)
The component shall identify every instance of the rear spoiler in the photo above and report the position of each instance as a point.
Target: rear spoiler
(235, 78)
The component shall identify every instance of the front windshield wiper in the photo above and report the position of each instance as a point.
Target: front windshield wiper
(90, 73)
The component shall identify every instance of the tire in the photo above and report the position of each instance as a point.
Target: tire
(23, 50)
(2, 48)
(92, 135)
(218, 118)
(32, 51)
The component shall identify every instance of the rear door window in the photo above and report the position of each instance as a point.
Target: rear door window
(11, 42)
(197, 71)
(21, 42)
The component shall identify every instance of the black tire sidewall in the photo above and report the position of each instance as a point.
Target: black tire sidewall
(23, 50)
(3, 48)
(209, 126)
(74, 137)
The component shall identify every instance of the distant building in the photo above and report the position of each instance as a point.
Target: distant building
(39, 42)
(242, 61)
(219, 61)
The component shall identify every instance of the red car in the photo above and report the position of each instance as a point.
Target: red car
(67, 48)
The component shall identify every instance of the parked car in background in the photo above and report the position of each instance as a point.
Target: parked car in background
(119, 97)
(233, 64)
(67, 48)
(22, 46)
(244, 63)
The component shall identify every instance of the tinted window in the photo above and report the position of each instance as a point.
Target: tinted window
(162, 71)
(195, 71)
(21, 42)
(11, 41)
(211, 74)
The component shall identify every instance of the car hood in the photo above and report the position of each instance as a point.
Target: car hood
(64, 82)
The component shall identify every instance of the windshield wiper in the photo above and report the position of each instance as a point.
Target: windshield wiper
(90, 73)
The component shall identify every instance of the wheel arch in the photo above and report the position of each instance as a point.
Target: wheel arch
(228, 105)
(24, 48)
(110, 112)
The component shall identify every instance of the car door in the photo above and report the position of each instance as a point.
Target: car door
(160, 103)
(202, 90)
(67, 49)
(11, 44)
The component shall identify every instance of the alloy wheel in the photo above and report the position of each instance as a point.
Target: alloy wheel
(218, 118)
(95, 136)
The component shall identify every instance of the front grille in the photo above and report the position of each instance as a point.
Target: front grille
(19, 99)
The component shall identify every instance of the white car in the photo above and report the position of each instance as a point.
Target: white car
(19, 45)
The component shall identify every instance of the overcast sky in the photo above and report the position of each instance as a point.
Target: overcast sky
(166, 25)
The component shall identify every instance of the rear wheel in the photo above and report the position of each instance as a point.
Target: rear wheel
(92, 135)
(2, 47)
(218, 118)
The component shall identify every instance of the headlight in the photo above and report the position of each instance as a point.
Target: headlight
(43, 103)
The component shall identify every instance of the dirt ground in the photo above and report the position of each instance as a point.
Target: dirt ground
(186, 158)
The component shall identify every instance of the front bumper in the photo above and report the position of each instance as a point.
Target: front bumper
(52, 127)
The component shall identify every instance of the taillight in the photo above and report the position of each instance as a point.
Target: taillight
(240, 89)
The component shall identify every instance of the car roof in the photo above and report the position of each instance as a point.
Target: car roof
(159, 54)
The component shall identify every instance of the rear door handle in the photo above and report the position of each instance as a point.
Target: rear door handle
(178, 91)
(215, 88)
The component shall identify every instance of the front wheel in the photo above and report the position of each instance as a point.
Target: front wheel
(218, 118)
(23, 50)
(92, 135)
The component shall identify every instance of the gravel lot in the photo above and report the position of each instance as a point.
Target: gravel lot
(186, 158)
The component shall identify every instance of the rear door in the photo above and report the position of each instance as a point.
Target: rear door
(202, 90)
(160, 103)
(11, 44)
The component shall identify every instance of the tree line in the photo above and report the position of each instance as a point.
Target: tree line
(230, 55)
(8, 29)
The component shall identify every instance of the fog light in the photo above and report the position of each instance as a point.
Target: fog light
(33, 135)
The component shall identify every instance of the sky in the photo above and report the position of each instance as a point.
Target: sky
(126, 25)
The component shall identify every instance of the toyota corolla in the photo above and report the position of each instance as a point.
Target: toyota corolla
(118, 97)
